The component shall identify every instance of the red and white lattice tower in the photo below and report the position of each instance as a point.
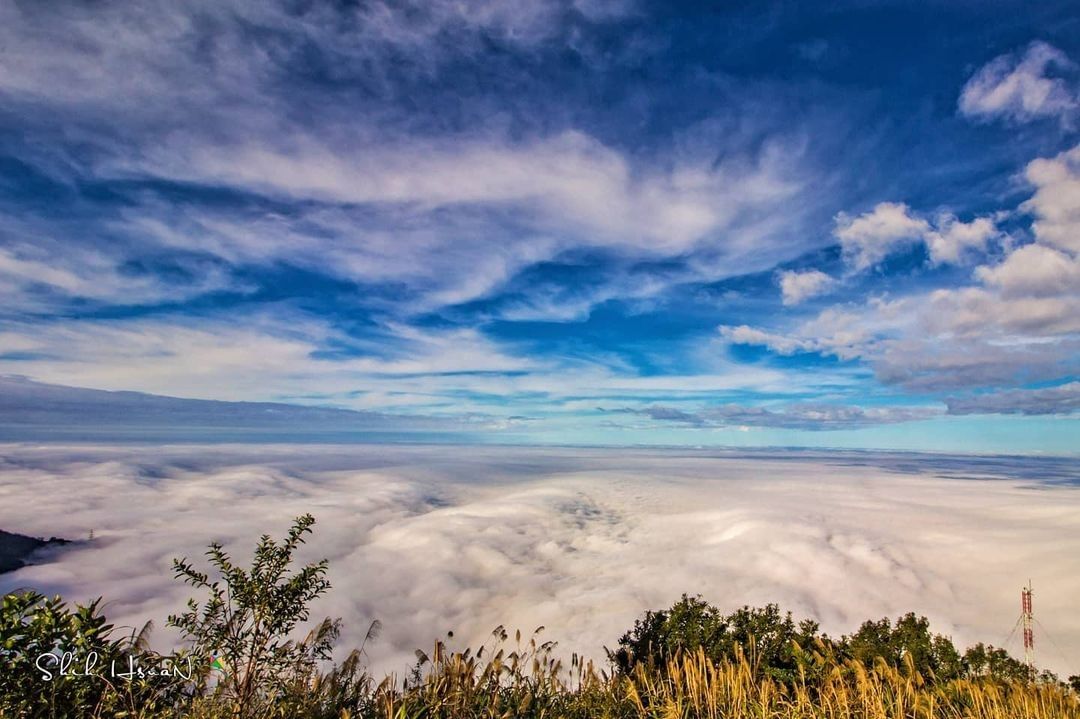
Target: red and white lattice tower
(1029, 619)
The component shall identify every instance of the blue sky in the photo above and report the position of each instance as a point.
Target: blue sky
(574, 222)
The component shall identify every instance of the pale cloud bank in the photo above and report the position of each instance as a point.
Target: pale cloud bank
(1062, 399)
(797, 415)
(432, 539)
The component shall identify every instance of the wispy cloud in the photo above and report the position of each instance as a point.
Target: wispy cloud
(451, 207)
(1042, 82)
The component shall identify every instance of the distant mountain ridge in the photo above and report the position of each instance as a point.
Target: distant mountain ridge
(30, 410)
(17, 549)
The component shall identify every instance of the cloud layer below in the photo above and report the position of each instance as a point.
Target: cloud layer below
(431, 539)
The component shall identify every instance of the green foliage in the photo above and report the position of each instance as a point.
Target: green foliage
(32, 625)
(988, 661)
(247, 621)
(61, 661)
(908, 640)
(778, 647)
(770, 639)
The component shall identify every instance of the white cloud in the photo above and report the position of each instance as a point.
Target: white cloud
(39, 269)
(798, 286)
(1033, 270)
(951, 240)
(974, 311)
(1056, 202)
(257, 357)
(837, 332)
(1021, 89)
(290, 356)
(746, 335)
(187, 92)
(431, 539)
(566, 183)
(1020, 323)
(868, 239)
(966, 338)
(140, 51)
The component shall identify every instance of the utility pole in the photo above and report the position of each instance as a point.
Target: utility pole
(1029, 620)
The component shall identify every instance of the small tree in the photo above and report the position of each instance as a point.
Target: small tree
(246, 623)
(932, 655)
(770, 638)
(982, 660)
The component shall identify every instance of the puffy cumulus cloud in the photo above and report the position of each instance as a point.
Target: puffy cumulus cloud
(806, 415)
(1033, 294)
(1018, 324)
(945, 340)
(1033, 270)
(1056, 202)
(868, 239)
(798, 286)
(433, 539)
(1063, 399)
(1022, 88)
(952, 240)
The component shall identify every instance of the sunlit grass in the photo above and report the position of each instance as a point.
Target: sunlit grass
(528, 682)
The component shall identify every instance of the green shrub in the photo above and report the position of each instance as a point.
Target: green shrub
(61, 661)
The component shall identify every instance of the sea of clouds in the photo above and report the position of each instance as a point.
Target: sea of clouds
(431, 539)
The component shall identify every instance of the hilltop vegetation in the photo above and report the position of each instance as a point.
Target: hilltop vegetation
(691, 660)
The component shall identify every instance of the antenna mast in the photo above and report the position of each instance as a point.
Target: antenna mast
(1029, 619)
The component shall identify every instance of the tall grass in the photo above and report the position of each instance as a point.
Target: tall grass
(528, 682)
